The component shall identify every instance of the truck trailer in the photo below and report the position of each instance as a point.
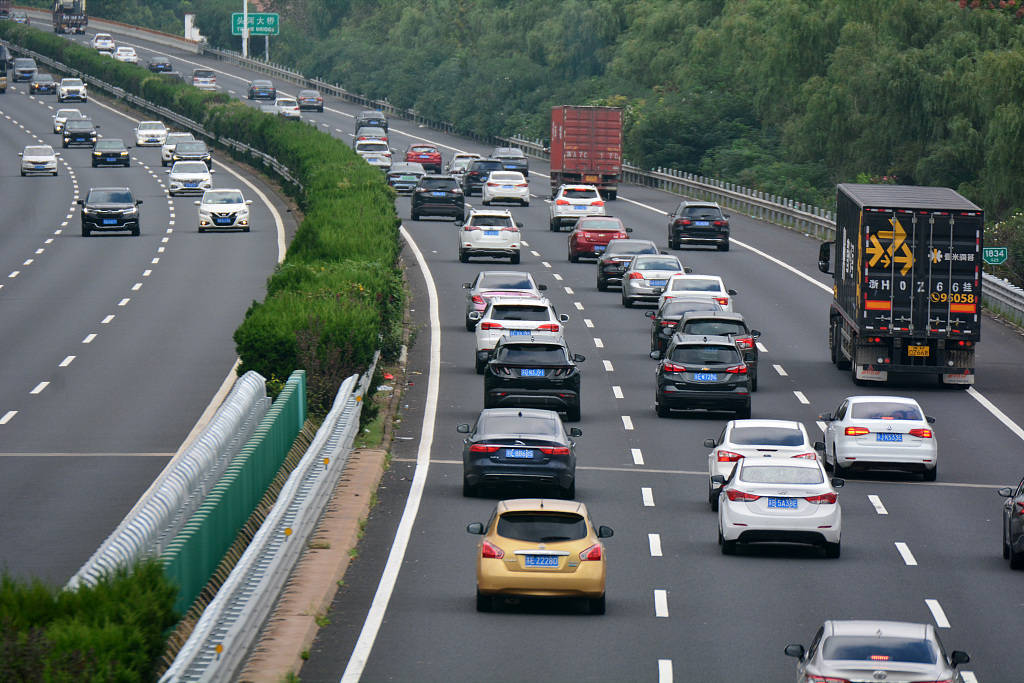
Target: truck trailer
(907, 282)
(586, 148)
(69, 16)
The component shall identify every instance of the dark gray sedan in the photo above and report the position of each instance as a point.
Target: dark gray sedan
(1013, 524)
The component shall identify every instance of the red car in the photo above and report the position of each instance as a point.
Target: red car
(427, 155)
(592, 235)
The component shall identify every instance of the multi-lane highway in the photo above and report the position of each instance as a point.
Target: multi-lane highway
(677, 608)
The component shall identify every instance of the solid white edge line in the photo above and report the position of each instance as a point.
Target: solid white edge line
(375, 617)
(939, 615)
(660, 603)
(664, 671)
(904, 551)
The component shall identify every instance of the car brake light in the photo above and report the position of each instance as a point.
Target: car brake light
(921, 433)
(477, 299)
(592, 553)
(722, 300)
(745, 342)
(491, 551)
(483, 448)
(1020, 509)
(468, 228)
(549, 327)
(672, 367)
(636, 276)
(857, 431)
(554, 450)
(736, 494)
(597, 203)
(522, 184)
(807, 456)
(668, 323)
(826, 498)
(683, 221)
(510, 228)
(562, 202)
(492, 184)
(718, 224)
(737, 370)
(728, 456)
(490, 326)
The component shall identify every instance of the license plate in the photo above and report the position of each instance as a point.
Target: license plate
(490, 233)
(578, 207)
(40, 165)
(540, 560)
(111, 158)
(706, 377)
(886, 436)
(518, 453)
(702, 223)
(519, 333)
(506, 187)
(590, 178)
(657, 283)
(438, 194)
(222, 221)
(152, 140)
(531, 372)
(191, 184)
(409, 178)
(109, 221)
(787, 503)
(919, 351)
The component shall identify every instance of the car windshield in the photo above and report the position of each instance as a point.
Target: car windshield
(666, 263)
(190, 148)
(542, 527)
(372, 146)
(438, 184)
(151, 125)
(766, 436)
(626, 248)
(781, 474)
(879, 649)
(39, 151)
(24, 63)
(723, 327)
(222, 196)
(696, 284)
(490, 221)
(702, 212)
(190, 167)
(678, 308)
(519, 312)
(72, 82)
(543, 354)
(78, 124)
(580, 193)
(68, 113)
(705, 355)
(110, 145)
(505, 423)
(109, 197)
(885, 410)
(503, 281)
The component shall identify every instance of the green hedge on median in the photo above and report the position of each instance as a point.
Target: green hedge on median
(338, 296)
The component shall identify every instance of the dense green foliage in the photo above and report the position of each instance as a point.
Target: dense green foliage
(113, 631)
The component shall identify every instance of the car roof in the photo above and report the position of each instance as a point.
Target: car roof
(437, 176)
(871, 627)
(541, 505)
(692, 203)
(629, 240)
(467, 155)
(536, 337)
(578, 186)
(484, 212)
(703, 340)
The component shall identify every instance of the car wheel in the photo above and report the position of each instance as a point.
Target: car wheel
(837, 469)
(484, 603)
(930, 475)
(202, 229)
(415, 216)
(743, 413)
(86, 231)
(94, 164)
(552, 226)
(1006, 546)
(712, 497)
(136, 231)
(724, 246)
(602, 285)
(54, 174)
(485, 202)
(832, 550)
(572, 414)
(569, 492)
(22, 174)
(573, 258)
(753, 383)
(163, 163)
(1016, 560)
(514, 259)
(463, 257)
(526, 202)
(480, 365)
(245, 229)
(596, 605)
(728, 547)
(470, 325)
(626, 301)
(468, 491)
(661, 409)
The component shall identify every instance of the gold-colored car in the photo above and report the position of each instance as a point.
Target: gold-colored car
(540, 547)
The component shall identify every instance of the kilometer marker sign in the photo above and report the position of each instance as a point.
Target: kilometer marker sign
(994, 256)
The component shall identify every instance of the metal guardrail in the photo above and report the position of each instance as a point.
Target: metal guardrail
(182, 486)
(222, 639)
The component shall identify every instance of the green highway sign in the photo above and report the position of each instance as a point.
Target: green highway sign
(260, 24)
(994, 256)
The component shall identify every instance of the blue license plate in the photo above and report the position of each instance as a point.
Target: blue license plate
(111, 159)
(191, 184)
(706, 377)
(521, 453)
(531, 372)
(40, 165)
(895, 438)
(702, 223)
(599, 248)
(519, 333)
(438, 194)
(490, 233)
(578, 207)
(657, 283)
(222, 221)
(109, 221)
(152, 139)
(506, 187)
(540, 560)
(786, 503)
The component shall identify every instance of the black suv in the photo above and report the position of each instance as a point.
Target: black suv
(534, 372)
(512, 159)
(371, 118)
(725, 324)
(664, 321)
(613, 260)
(438, 195)
(110, 152)
(110, 208)
(195, 150)
(474, 178)
(698, 223)
(78, 132)
(159, 65)
(519, 446)
(699, 372)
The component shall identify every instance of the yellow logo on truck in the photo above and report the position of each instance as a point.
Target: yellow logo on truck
(897, 250)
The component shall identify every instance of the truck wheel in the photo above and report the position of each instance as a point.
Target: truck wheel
(613, 195)
(841, 362)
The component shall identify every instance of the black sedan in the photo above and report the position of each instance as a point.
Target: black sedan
(702, 373)
(110, 152)
(110, 209)
(262, 90)
(519, 446)
(534, 371)
(1013, 524)
(611, 264)
(665, 320)
(159, 65)
(43, 84)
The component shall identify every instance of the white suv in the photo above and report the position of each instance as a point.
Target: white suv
(573, 201)
(102, 41)
(490, 233)
(72, 89)
(152, 133)
(512, 317)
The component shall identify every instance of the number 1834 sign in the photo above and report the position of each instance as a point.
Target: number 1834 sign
(994, 256)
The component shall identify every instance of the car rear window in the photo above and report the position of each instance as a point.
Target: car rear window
(580, 193)
(879, 649)
(767, 436)
(491, 423)
(702, 212)
(202, 73)
(616, 247)
(542, 354)
(599, 224)
(372, 146)
(485, 165)
(504, 281)
(490, 221)
(781, 474)
(696, 284)
(506, 312)
(722, 327)
(542, 527)
(438, 183)
(656, 264)
(508, 176)
(704, 355)
(677, 309)
(109, 197)
(423, 149)
(885, 410)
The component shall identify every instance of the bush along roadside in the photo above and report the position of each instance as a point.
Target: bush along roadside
(338, 295)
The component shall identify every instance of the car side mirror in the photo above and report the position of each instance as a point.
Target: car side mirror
(519, 224)
(709, 443)
(80, 202)
(819, 445)
(462, 429)
(542, 288)
(248, 202)
(197, 202)
(1005, 492)
(726, 216)
(663, 252)
(577, 358)
(649, 314)
(575, 432)
(838, 483)
(958, 657)
(56, 154)
(475, 315)
(563, 317)
(167, 170)
(687, 269)
(213, 170)
(137, 202)
(794, 650)
(718, 479)
(475, 528)
(732, 292)
(929, 419)
(826, 417)
(629, 229)
(656, 355)
(97, 126)
(756, 334)
(606, 532)
(467, 285)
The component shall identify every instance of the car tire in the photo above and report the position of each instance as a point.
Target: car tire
(627, 302)
(930, 474)
(22, 174)
(463, 257)
(552, 226)
(728, 547)
(833, 550)
(54, 174)
(569, 492)
(743, 413)
(514, 259)
(753, 382)
(470, 325)
(202, 230)
(485, 202)
(1016, 560)
(712, 497)
(837, 469)
(573, 258)
(484, 603)
(572, 414)
(245, 229)
(480, 366)
(660, 408)
(526, 202)
(136, 231)
(86, 232)
(1006, 546)
(415, 216)
(163, 163)
(468, 491)
(596, 605)
(723, 246)
(602, 285)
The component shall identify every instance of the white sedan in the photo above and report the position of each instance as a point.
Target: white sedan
(150, 133)
(571, 202)
(189, 177)
(779, 501)
(288, 108)
(38, 159)
(126, 54)
(707, 286)
(505, 186)
(881, 432)
(223, 209)
(102, 41)
(755, 439)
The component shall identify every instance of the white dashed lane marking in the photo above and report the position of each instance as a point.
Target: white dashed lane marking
(661, 603)
(937, 613)
(664, 671)
(779, 369)
(617, 391)
(627, 423)
(38, 389)
(598, 342)
(8, 416)
(904, 551)
(647, 495)
(638, 456)
(106, 321)
(578, 305)
(66, 362)
(588, 322)
(876, 503)
(654, 540)
(800, 397)
(608, 367)
(88, 338)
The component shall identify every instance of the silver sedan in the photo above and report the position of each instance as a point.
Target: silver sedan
(646, 276)
(38, 159)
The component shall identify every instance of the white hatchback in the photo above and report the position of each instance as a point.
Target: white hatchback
(189, 177)
(881, 432)
(505, 186)
(490, 233)
(102, 41)
(779, 501)
(223, 209)
(150, 133)
(126, 54)
(573, 201)
(512, 317)
(708, 286)
(288, 108)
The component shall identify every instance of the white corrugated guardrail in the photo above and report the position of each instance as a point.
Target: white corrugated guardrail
(180, 489)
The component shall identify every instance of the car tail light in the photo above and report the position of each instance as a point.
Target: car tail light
(668, 323)
(483, 448)
(857, 431)
(468, 228)
(672, 367)
(593, 553)
(490, 326)
(554, 450)
(477, 299)
(719, 224)
(1019, 510)
(737, 370)
(745, 342)
(921, 433)
(597, 203)
(489, 184)
(728, 456)
(422, 189)
(510, 228)
(490, 551)
(722, 300)
(562, 202)
(825, 498)
(736, 494)
(683, 221)
(636, 276)
(549, 327)
(807, 456)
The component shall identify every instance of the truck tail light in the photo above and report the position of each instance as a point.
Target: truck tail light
(490, 551)
(825, 498)
(857, 431)
(593, 553)
(921, 433)
(729, 456)
(736, 494)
